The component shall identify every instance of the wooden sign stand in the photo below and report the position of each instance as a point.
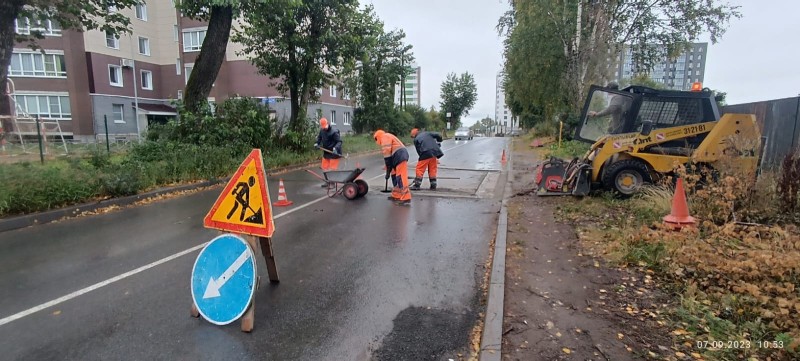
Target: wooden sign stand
(265, 244)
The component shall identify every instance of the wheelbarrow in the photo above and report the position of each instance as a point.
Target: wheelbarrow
(344, 182)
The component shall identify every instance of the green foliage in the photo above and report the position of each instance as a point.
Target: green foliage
(240, 122)
(568, 149)
(419, 117)
(555, 48)
(642, 80)
(459, 94)
(484, 126)
(30, 188)
(295, 40)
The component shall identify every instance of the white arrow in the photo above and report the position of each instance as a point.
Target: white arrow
(212, 290)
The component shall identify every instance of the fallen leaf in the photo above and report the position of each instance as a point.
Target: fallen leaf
(558, 334)
(620, 336)
(566, 350)
(57, 312)
(680, 354)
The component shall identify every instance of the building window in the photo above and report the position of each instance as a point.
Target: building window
(112, 41)
(141, 12)
(118, 113)
(346, 120)
(178, 66)
(187, 70)
(176, 32)
(48, 27)
(112, 9)
(333, 91)
(333, 117)
(45, 106)
(115, 75)
(37, 65)
(193, 40)
(147, 80)
(345, 94)
(144, 46)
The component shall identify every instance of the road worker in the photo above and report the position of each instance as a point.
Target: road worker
(429, 149)
(331, 143)
(395, 156)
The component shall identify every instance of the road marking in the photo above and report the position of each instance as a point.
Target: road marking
(125, 275)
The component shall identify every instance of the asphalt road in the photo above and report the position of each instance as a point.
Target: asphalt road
(359, 279)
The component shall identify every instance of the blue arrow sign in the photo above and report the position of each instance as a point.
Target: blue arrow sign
(224, 279)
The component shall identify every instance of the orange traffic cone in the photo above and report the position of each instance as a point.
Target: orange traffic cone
(503, 159)
(282, 200)
(679, 214)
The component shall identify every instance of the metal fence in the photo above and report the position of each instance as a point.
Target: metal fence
(778, 120)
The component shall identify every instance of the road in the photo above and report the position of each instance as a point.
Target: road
(359, 279)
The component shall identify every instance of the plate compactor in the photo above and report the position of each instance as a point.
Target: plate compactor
(639, 134)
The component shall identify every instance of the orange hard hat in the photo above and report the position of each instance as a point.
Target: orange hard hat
(414, 132)
(378, 134)
(323, 123)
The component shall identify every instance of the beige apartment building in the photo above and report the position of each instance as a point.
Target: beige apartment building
(85, 79)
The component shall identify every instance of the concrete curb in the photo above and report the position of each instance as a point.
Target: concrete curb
(27, 220)
(492, 338)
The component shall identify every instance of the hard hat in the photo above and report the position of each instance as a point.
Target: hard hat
(323, 123)
(378, 134)
(414, 132)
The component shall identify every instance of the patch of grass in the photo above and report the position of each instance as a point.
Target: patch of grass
(568, 149)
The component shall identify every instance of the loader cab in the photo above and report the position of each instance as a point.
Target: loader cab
(638, 108)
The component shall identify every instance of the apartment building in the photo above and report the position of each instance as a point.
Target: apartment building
(85, 80)
(674, 73)
(502, 114)
(411, 88)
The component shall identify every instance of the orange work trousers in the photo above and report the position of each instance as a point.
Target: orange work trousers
(330, 164)
(400, 191)
(431, 165)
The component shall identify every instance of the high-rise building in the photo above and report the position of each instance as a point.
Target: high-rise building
(84, 78)
(502, 115)
(410, 89)
(674, 73)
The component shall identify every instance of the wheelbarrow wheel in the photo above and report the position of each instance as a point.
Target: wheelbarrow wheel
(350, 191)
(363, 188)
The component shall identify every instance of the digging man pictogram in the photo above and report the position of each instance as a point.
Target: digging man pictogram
(242, 193)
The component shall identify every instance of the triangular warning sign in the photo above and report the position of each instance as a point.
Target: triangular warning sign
(244, 206)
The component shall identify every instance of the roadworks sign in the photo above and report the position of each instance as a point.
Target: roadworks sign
(244, 206)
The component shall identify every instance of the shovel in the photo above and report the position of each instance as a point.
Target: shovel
(386, 187)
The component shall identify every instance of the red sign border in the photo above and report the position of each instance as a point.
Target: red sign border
(255, 155)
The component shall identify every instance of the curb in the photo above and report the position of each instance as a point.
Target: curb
(27, 220)
(492, 338)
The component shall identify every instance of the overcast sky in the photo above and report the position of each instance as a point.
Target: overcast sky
(757, 59)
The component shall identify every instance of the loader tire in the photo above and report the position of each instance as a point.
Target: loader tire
(626, 177)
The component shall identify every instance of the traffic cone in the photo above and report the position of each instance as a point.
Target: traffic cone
(679, 214)
(503, 159)
(282, 200)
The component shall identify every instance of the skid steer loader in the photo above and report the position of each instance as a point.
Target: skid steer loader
(640, 134)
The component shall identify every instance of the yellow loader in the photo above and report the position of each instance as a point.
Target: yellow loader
(640, 134)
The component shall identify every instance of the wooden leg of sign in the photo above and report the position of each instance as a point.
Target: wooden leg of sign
(269, 256)
(248, 320)
(195, 313)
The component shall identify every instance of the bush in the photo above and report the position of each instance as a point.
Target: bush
(31, 188)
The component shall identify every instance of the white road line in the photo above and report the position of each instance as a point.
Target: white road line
(125, 275)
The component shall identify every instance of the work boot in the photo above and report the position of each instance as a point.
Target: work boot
(324, 185)
(433, 184)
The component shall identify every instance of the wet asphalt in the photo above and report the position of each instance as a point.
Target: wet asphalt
(362, 279)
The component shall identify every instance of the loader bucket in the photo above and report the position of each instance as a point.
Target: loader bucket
(550, 177)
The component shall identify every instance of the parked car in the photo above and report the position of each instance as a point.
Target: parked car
(464, 133)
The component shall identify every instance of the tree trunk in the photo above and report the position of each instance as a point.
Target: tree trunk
(207, 64)
(9, 10)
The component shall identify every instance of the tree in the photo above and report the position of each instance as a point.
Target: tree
(642, 80)
(69, 14)
(381, 63)
(459, 94)
(483, 126)
(219, 14)
(555, 48)
(419, 116)
(304, 44)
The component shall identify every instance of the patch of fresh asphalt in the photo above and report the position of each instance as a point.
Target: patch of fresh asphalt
(277, 314)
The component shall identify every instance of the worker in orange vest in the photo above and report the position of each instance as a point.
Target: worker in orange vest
(330, 141)
(395, 156)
